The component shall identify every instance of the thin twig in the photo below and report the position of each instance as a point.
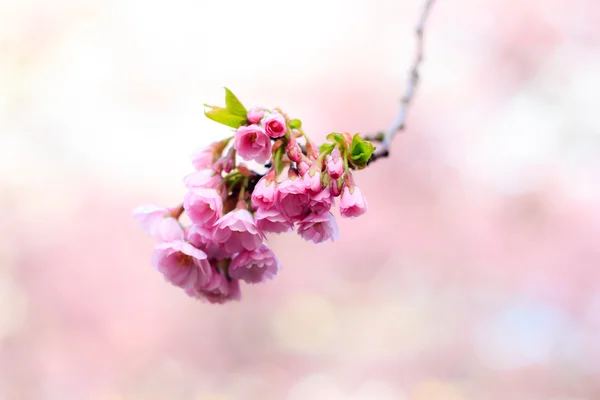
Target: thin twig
(413, 80)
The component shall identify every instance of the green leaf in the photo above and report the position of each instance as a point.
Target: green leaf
(360, 152)
(326, 148)
(233, 105)
(337, 138)
(278, 160)
(223, 116)
(295, 124)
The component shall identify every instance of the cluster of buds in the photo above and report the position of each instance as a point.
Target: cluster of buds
(230, 207)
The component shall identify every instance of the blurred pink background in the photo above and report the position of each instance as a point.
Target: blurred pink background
(475, 275)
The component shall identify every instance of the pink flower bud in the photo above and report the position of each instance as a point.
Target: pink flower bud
(255, 115)
(254, 266)
(352, 202)
(275, 125)
(252, 143)
(293, 150)
(312, 179)
(318, 228)
(203, 158)
(335, 164)
(335, 187)
(303, 167)
(206, 179)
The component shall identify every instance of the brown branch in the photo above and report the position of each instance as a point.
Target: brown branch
(413, 80)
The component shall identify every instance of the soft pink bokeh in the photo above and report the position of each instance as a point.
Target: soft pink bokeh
(474, 275)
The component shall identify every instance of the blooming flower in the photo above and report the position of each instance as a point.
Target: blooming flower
(202, 237)
(352, 202)
(321, 202)
(203, 158)
(252, 143)
(254, 266)
(292, 199)
(158, 223)
(225, 290)
(255, 115)
(272, 220)
(335, 164)
(237, 231)
(318, 228)
(182, 264)
(203, 179)
(203, 206)
(275, 125)
(263, 194)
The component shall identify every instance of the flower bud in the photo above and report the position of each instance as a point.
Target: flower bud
(335, 164)
(255, 115)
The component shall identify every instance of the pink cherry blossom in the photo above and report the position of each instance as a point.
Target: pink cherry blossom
(303, 167)
(255, 115)
(203, 179)
(292, 199)
(263, 194)
(321, 202)
(203, 158)
(252, 143)
(237, 231)
(335, 164)
(272, 220)
(182, 264)
(254, 266)
(202, 237)
(275, 125)
(352, 203)
(312, 179)
(158, 223)
(226, 290)
(318, 228)
(203, 206)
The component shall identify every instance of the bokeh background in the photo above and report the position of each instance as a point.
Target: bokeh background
(475, 274)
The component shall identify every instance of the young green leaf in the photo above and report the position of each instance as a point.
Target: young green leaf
(223, 116)
(337, 138)
(326, 148)
(360, 151)
(233, 105)
(295, 124)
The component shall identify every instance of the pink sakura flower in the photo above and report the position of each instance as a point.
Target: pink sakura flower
(335, 164)
(321, 202)
(352, 202)
(254, 266)
(221, 290)
(275, 125)
(203, 206)
(203, 179)
(237, 231)
(252, 143)
(182, 264)
(318, 228)
(202, 237)
(203, 158)
(272, 220)
(255, 115)
(263, 195)
(292, 199)
(158, 223)
(312, 179)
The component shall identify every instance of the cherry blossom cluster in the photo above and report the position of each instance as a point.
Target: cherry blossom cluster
(230, 207)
